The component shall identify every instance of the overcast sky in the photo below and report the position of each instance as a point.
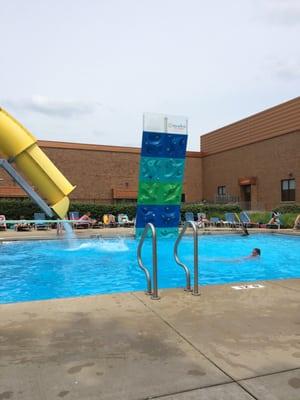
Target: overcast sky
(86, 70)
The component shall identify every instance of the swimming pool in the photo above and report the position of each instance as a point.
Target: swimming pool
(36, 270)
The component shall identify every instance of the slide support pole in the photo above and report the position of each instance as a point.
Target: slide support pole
(27, 188)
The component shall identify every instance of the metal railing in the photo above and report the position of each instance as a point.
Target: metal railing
(154, 292)
(226, 198)
(194, 226)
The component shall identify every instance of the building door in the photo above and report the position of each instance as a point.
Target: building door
(246, 197)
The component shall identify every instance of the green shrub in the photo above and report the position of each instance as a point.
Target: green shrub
(261, 217)
(289, 208)
(14, 209)
(287, 219)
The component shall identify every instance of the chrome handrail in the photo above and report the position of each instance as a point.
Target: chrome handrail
(154, 293)
(194, 226)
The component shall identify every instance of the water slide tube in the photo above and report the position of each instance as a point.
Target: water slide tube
(20, 147)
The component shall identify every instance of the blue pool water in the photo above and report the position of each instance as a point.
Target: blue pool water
(54, 269)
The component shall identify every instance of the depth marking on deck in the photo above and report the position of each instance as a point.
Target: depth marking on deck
(252, 286)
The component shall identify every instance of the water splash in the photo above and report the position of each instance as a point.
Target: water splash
(109, 246)
(70, 235)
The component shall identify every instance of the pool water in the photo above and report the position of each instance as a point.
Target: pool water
(35, 270)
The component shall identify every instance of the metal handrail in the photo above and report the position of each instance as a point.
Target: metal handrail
(154, 292)
(194, 226)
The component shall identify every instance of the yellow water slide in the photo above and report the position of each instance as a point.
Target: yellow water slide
(20, 147)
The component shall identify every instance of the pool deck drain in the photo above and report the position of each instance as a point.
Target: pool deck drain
(225, 344)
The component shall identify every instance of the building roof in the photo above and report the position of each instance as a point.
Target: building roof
(99, 147)
(276, 121)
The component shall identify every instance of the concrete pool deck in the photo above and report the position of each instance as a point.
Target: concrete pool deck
(225, 344)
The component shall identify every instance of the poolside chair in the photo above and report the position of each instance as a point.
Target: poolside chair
(275, 221)
(22, 225)
(3, 226)
(246, 221)
(123, 220)
(297, 222)
(189, 216)
(215, 221)
(98, 224)
(231, 220)
(105, 219)
(202, 220)
(109, 220)
(40, 224)
(74, 216)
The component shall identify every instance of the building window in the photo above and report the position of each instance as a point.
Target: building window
(221, 190)
(288, 190)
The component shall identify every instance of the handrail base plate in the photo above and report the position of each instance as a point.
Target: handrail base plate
(155, 297)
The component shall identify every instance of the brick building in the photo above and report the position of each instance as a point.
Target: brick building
(254, 161)
(104, 174)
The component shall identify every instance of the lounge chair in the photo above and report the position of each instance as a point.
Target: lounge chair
(202, 220)
(22, 225)
(3, 226)
(189, 216)
(215, 221)
(297, 222)
(246, 221)
(40, 224)
(123, 220)
(98, 224)
(232, 220)
(109, 220)
(275, 221)
(74, 216)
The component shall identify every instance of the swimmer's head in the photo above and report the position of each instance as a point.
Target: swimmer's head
(256, 252)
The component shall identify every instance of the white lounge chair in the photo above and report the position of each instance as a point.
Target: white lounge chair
(3, 226)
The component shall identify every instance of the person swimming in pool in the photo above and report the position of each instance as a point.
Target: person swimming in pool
(256, 252)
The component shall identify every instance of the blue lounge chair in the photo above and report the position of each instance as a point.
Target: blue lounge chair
(73, 215)
(246, 221)
(189, 216)
(40, 224)
(232, 220)
(215, 221)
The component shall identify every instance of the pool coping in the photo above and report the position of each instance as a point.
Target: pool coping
(6, 236)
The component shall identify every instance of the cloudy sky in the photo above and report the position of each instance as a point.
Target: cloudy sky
(86, 70)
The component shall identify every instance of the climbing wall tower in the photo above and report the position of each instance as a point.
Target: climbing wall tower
(161, 173)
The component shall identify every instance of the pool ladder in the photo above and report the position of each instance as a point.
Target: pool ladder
(195, 290)
(153, 293)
